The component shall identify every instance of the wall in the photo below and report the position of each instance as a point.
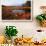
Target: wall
(27, 28)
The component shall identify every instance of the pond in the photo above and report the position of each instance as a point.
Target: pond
(18, 11)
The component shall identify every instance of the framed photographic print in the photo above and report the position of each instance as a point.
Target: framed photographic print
(17, 10)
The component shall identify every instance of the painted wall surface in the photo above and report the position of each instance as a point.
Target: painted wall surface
(27, 28)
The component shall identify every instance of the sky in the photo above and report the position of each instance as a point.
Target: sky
(12, 2)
